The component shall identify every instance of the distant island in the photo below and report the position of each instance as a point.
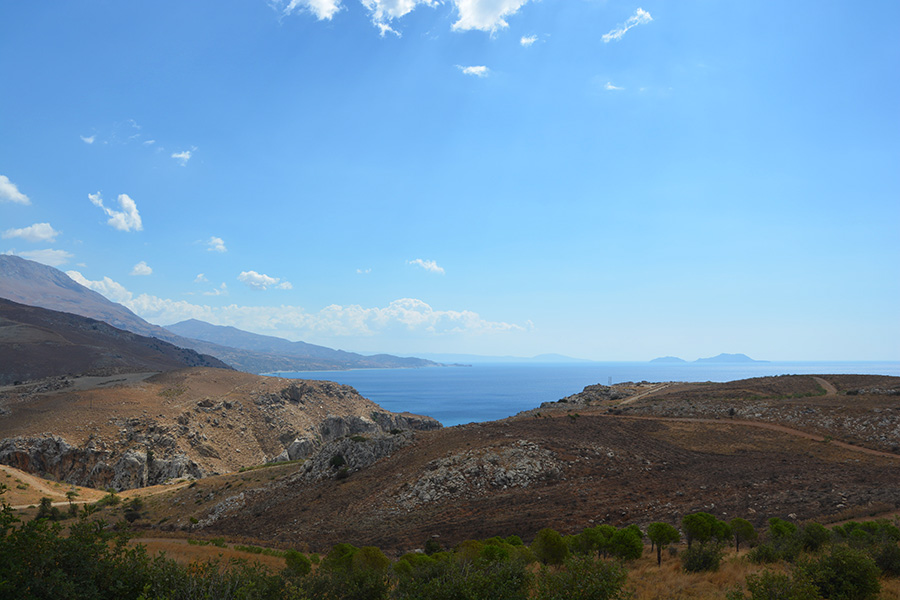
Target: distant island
(721, 358)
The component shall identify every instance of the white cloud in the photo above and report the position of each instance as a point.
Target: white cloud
(222, 290)
(216, 244)
(640, 17)
(52, 258)
(259, 281)
(383, 12)
(149, 142)
(528, 40)
(39, 232)
(182, 157)
(609, 86)
(428, 265)
(10, 193)
(142, 268)
(405, 316)
(363, 271)
(200, 278)
(128, 219)
(88, 139)
(324, 10)
(485, 15)
(476, 71)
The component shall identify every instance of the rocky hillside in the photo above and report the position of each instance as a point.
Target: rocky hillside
(131, 432)
(36, 343)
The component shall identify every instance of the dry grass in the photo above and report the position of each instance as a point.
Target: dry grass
(669, 582)
(180, 551)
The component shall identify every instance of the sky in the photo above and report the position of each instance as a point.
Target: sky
(603, 179)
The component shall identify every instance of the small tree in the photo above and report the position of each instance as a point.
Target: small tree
(699, 526)
(662, 534)
(550, 547)
(743, 531)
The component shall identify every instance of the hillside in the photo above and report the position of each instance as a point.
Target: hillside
(36, 343)
(28, 282)
(127, 432)
(565, 466)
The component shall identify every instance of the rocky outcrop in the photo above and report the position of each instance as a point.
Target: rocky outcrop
(476, 473)
(595, 394)
(92, 465)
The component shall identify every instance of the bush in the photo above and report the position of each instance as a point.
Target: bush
(432, 546)
(887, 558)
(460, 580)
(844, 574)
(815, 536)
(296, 563)
(549, 547)
(701, 558)
(777, 586)
(582, 578)
(626, 544)
(763, 554)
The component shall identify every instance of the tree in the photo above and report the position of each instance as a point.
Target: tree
(742, 531)
(549, 547)
(662, 534)
(698, 526)
(626, 543)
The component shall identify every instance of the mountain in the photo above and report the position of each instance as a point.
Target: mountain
(267, 344)
(36, 343)
(728, 358)
(668, 359)
(32, 283)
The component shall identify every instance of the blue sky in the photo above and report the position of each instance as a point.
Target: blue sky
(603, 179)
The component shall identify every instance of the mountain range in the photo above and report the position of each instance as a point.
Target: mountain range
(31, 283)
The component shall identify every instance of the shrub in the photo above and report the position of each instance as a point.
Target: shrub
(582, 578)
(296, 563)
(844, 574)
(432, 546)
(701, 558)
(337, 461)
(777, 586)
(549, 547)
(626, 544)
(763, 554)
(887, 558)
(815, 536)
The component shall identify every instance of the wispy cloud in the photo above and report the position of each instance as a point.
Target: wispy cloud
(182, 157)
(39, 232)
(127, 219)
(428, 265)
(200, 278)
(216, 244)
(142, 268)
(324, 10)
(475, 71)
(482, 15)
(259, 281)
(222, 290)
(88, 139)
(528, 40)
(384, 12)
(408, 317)
(640, 17)
(363, 271)
(10, 193)
(485, 15)
(609, 86)
(48, 256)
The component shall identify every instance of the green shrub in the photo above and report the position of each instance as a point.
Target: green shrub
(626, 544)
(549, 547)
(432, 546)
(815, 536)
(844, 574)
(763, 554)
(582, 578)
(887, 558)
(296, 563)
(701, 558)
(337, 461)
(769, 585)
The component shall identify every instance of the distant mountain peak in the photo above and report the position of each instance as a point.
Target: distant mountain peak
(728, 358)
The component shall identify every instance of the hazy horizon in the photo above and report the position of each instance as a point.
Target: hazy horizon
(612, 181)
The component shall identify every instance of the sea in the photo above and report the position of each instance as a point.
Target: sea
(489, 391)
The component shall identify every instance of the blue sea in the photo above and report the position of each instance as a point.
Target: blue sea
(485, 392)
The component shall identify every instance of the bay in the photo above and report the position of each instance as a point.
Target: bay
(490, 391)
